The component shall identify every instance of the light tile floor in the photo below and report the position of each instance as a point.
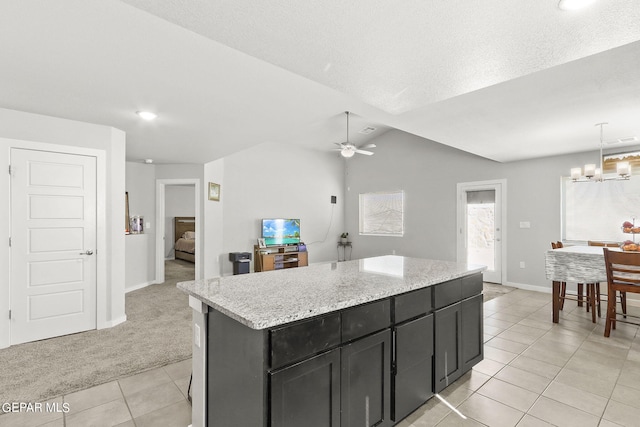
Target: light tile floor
(154, 398)
(534, 374)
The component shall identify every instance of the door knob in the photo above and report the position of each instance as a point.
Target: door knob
(88, 252)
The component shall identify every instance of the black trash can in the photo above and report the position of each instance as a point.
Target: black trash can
(241, 261)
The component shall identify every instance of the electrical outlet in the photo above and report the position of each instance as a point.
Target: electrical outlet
(334, 200)
(521, 264)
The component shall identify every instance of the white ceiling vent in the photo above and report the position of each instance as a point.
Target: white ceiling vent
(626, 140)
(368, 130)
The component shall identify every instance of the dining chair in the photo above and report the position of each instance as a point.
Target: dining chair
(623, 275)
(590, 296)
(623, 295)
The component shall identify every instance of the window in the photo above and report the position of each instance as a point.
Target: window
(596, 210)
(382, 214)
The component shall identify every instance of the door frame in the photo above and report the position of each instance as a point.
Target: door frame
(161, 185)
(5, 229)
(500, 186)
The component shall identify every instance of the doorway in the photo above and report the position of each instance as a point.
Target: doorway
(481, 215)
(162, 237)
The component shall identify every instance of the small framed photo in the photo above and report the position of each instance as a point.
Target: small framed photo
(214, 191)
(262, 243)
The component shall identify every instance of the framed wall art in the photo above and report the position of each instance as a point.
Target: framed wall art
(214, 191)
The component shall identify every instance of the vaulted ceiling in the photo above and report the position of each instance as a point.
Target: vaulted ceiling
(501, 79)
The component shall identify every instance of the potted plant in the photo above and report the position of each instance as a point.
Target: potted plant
(343, 237)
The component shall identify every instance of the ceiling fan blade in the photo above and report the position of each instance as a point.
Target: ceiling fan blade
(336, 149)
(368, 153)
(367, 146)
(339, 144)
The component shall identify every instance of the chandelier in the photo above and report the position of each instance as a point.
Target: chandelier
(595, 174)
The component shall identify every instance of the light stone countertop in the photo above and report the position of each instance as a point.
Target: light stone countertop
(266, 299)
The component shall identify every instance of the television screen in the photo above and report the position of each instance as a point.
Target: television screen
(281, 231)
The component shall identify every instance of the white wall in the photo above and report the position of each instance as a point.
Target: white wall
(429, 172)
(179, 201)
(51, 130)
(140, 248)
(214, 258)
(281, 181)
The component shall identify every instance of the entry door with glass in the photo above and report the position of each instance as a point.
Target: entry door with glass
(480, 231)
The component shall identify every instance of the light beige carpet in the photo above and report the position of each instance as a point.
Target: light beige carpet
(157, 332)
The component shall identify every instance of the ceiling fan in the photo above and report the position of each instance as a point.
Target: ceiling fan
(347, 149)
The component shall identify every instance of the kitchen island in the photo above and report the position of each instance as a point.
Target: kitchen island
(363, 342)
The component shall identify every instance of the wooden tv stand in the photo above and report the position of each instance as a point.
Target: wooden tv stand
(278, 258)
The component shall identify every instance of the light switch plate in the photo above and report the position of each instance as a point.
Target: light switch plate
(525, 224)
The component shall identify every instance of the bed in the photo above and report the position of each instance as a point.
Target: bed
(185, 237)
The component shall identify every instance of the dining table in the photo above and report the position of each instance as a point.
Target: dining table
(576, 264)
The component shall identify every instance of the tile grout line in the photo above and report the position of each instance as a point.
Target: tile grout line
(126, 402)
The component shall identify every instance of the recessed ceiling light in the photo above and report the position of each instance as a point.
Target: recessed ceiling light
(147, 115)
(574, 4)
(148, 161)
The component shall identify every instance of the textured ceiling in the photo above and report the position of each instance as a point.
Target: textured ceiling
(505, 80)
(398, 56)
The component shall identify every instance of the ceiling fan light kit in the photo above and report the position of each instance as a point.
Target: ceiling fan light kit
(596, 174)
(347, 149)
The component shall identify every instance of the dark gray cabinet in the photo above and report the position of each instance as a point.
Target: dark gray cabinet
(307, 393)
(366, 381)
(472, 332)
(458, 340)
(413, 365)
(367, 365)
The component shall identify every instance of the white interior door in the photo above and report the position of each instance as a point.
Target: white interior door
(53, 240)
(480, 227)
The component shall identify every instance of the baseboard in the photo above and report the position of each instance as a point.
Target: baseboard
(114, 322)
(138, 286)
(544, 289)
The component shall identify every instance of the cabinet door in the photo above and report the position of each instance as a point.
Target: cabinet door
(472, 332)
(414, 371)
(366, 381)
(307, 393)
(268, 263)
(448, 341)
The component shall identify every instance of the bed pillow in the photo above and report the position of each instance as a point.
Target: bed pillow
(191, 235)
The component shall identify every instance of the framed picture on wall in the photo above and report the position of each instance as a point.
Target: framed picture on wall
(609, 161)
(214, 191)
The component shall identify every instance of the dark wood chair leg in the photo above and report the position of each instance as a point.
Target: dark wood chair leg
(623, 303)
(611, 312)
(580, 286)
(591, 291)
(589, 288)
(598, 298)
(563, 293)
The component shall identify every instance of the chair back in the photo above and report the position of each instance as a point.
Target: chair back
(623, 270)
(603, 244)
(553, 245)
(559, 244)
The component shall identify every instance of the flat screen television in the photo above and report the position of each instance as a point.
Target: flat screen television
(281, 231)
